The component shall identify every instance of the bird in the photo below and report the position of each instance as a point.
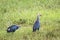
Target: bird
(36, 25)
(12, 28)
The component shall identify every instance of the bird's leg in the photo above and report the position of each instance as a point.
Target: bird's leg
(38, 29)
(34, 30)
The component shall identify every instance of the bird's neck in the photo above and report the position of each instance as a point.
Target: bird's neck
(37, 18)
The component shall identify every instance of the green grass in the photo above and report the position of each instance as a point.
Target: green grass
(24, 12)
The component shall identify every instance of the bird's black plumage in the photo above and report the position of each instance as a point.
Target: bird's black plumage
(36, 25)
(12, 28)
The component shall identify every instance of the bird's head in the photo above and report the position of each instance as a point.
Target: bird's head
(39, 14)
(8, 30)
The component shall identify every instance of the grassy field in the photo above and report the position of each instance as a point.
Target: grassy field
(23, 13)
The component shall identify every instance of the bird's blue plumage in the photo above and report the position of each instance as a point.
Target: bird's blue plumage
(36, 25)
(12, 28)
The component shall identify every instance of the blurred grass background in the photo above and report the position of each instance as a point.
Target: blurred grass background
(24, 12)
